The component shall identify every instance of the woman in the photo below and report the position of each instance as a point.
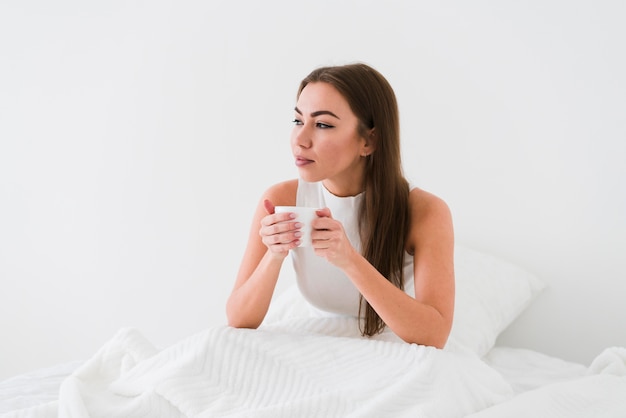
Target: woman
(374, 236)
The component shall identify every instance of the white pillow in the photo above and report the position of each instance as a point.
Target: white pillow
(490, 294)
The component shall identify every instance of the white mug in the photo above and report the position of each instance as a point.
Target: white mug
(304, 215)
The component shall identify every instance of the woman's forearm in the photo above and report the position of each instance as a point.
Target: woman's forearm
(410, 319)
(247, 305)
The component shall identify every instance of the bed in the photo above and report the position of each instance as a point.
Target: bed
(303, 363)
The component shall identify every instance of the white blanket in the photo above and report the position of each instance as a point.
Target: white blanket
(302, 368)
(600, 394)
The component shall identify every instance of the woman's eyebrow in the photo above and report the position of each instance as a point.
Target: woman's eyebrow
(318, 113)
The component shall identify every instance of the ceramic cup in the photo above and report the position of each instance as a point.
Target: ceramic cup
(304, 215)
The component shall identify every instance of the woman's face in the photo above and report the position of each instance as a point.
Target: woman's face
(325, 140)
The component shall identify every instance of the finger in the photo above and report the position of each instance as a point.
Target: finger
(322, 236)
(282, 227)
(323, 223)
(324, 213)
(280, 233)
(269, 206)
(282, 242)
(281, 248)
(276, 218)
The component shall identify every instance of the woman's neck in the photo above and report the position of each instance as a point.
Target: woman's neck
(343, 190)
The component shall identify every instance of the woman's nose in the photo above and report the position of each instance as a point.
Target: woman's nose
(301, 137)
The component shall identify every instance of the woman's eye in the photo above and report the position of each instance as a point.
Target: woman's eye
(297, 122)
(323, 125)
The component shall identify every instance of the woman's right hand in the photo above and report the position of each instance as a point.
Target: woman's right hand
(279, 231)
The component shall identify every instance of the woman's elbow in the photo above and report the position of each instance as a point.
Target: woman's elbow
(237, 319)
(438, 341)
(234, 323)
(437, 336)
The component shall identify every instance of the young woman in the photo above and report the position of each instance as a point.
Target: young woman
(376, 242)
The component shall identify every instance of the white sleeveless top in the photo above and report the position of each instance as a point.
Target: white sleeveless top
(322, 284)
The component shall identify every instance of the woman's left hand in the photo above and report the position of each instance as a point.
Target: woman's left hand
(330, 240)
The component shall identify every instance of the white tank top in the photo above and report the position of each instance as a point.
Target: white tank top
(322, 284)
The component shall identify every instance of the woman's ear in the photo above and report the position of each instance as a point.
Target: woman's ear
(370, 143)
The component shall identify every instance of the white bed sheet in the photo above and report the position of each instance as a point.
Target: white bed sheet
(561, 389)
(593, 396)
(309, 368)
(542, 385)
(527, 370)
(35, 388)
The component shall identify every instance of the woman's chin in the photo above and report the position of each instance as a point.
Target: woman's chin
(309, 177)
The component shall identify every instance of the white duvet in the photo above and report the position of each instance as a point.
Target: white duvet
(601, 393)
(318, 367)
(298, 368)
(598, 396)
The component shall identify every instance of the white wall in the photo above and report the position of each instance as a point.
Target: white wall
(136, 138)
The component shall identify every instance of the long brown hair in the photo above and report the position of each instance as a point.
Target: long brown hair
(384, 212)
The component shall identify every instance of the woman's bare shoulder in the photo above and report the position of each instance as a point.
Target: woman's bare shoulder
(431, 220)
(283, 193)
(425, 203)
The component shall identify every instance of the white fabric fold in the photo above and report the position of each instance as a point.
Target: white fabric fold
(308, 367)
(611, 361)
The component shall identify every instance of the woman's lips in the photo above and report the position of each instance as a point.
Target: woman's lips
(300, 162)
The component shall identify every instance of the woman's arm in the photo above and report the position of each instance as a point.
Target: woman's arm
(268, 245)
(427, 318)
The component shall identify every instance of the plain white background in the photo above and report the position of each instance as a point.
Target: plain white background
(137, 137)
